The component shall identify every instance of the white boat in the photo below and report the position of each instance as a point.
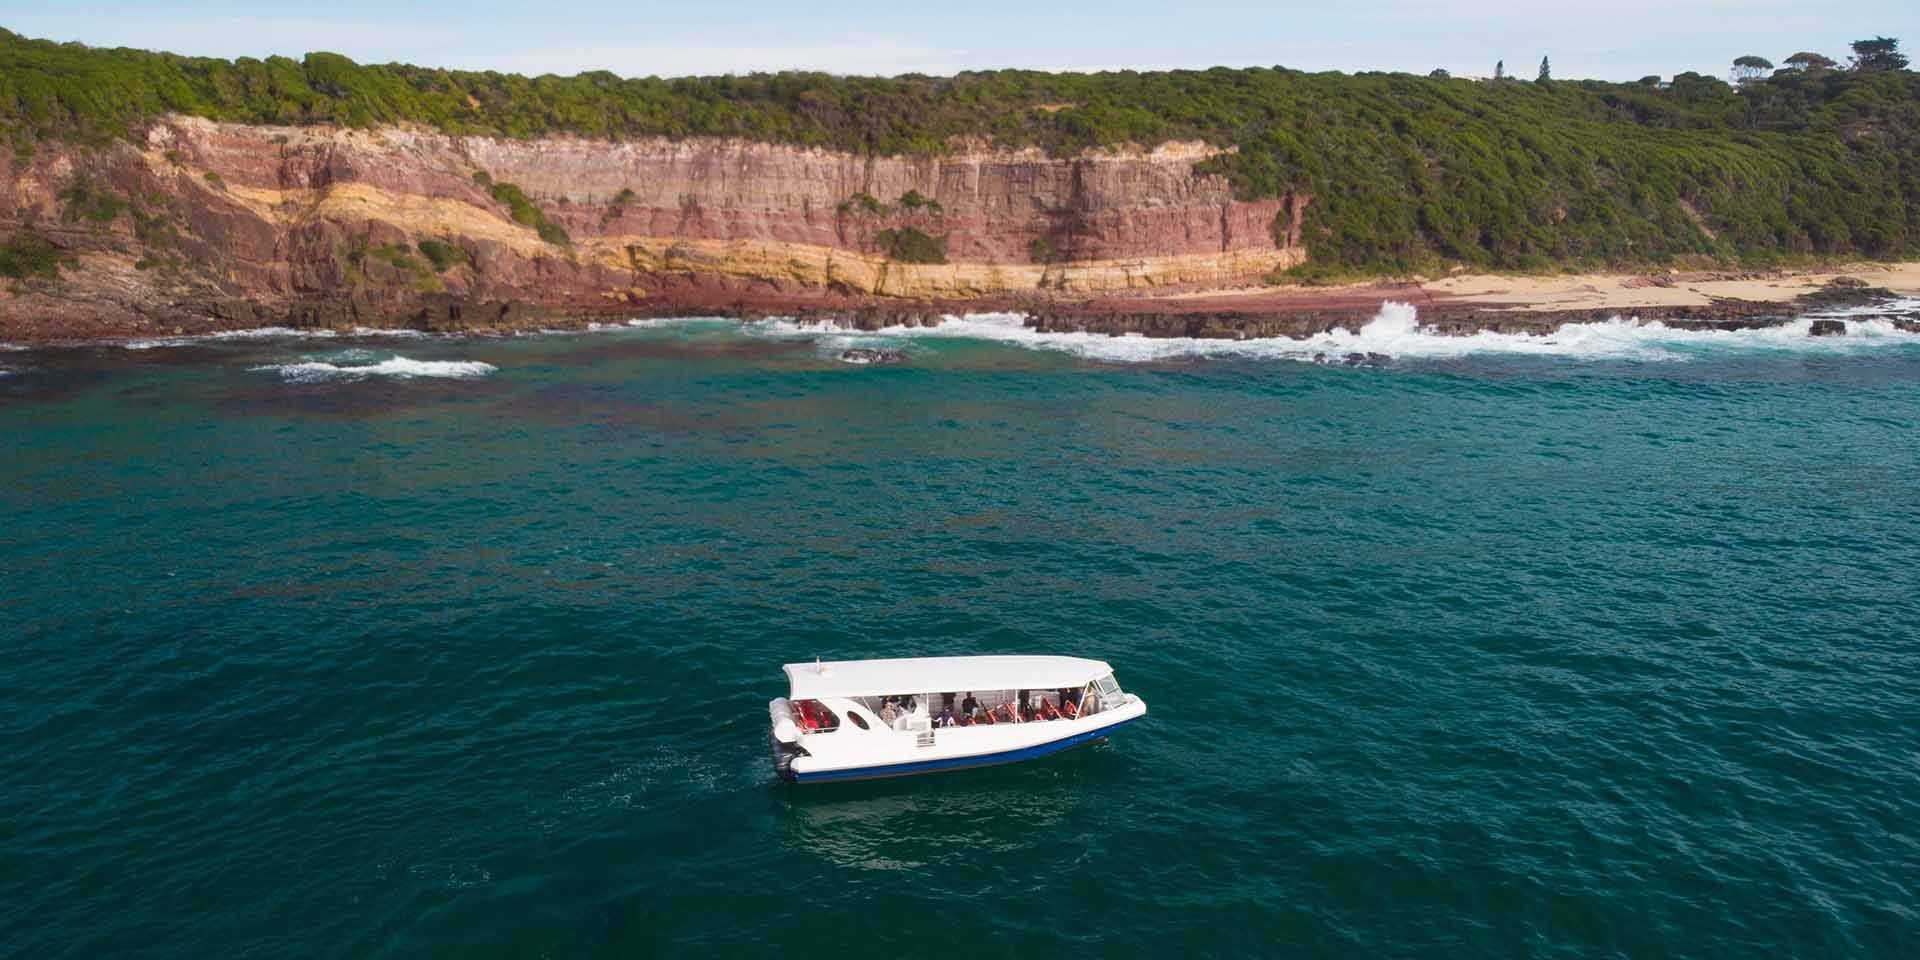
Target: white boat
(858, 719)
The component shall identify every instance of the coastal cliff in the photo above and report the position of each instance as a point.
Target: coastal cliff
(198, 223)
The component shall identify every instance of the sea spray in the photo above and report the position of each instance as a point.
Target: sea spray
(397, 367)
(1393, 331)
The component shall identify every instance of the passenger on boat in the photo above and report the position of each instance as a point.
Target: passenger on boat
(1069, 707)
(1047, 712)
(887, 712)
(945, 719)
(970, 706)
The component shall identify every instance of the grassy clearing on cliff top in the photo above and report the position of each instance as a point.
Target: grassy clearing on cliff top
(1407, 173)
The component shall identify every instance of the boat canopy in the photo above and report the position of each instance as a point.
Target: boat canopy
(922, 675)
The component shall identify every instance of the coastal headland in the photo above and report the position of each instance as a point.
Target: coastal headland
(142, 194)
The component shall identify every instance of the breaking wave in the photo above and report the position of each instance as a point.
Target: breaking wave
(256, 333)
(397, 367)
(1395, 332)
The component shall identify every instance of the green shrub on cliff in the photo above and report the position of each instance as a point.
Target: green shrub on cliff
(617, 206)
(908, 245)
(523, 211)
(399, 255)
(865, 204)
(442, 255)
(82, 200)
(1406, 172)
(30, 256)
(914, 200)
(155, 229)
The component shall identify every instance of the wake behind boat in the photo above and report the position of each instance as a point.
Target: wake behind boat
(859, 719)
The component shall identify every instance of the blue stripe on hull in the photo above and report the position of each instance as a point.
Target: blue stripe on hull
(959, 763)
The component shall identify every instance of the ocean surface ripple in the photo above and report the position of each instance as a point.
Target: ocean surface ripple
(461, 646)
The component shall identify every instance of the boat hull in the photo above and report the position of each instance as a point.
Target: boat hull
(817, 770)
(957, 763)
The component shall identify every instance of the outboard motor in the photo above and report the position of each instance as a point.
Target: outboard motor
(783, 754)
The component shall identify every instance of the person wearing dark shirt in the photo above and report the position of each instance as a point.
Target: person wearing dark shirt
(969, 706)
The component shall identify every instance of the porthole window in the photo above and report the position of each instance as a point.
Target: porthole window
(858, 721)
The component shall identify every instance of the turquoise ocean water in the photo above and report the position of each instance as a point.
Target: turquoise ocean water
(1599, 646)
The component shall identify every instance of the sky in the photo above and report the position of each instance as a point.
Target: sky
(1613, 40)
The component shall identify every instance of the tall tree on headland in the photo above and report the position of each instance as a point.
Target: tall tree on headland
(1880, 53)
(1750, 67)
(1546, 70)
(1500, 70)
(1813, 63)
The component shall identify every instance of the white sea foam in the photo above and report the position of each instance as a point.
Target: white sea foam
(403, 368)
(1395, 332)
(255, 333)
(393, 333)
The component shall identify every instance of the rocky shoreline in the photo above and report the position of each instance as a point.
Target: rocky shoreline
(1169, 319)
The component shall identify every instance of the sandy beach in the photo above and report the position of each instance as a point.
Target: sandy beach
(1604, 291)
(1549, 293)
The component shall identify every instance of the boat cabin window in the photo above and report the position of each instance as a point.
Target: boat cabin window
(813, 717)
(858, 720)
(965, 708)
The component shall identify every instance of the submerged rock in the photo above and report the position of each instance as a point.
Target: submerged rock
(867, 355)
(1353, 360)
(1828, 328)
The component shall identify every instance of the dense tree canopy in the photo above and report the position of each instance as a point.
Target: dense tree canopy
(1749, 68)
(1810, 62)
(1407, 172)
(1880, 53)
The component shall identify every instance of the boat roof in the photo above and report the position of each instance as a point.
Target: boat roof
(875, 678)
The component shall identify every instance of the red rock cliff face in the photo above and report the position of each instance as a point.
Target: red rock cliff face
(247, 224)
